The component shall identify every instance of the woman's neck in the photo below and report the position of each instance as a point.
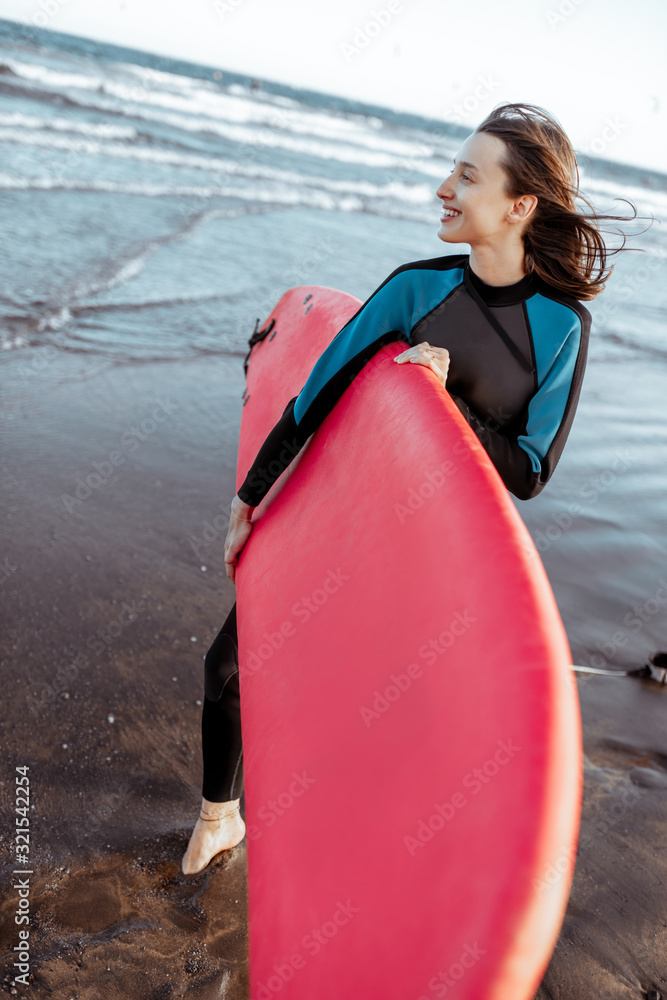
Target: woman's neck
(497, 269)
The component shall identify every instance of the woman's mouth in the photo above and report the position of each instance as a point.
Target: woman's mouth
(449, 213)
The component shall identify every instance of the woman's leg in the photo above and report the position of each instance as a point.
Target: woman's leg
(222, 747)
(220, 824)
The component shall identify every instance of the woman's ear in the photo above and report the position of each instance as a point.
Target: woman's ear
(522, 208)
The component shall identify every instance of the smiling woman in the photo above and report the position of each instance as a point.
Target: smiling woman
(476, 210)
(512, 196)
(502, 328)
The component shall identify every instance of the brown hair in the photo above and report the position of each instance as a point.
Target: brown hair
(561, 244)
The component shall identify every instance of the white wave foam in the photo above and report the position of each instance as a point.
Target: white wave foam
(251, 139)
(207, 108)
(55, 320)
(102, 129)
(7, 341)
(52, 78)
(232, 169)
(265, 194)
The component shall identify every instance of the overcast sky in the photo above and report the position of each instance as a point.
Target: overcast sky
(598, 65)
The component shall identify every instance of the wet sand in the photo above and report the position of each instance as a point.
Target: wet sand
(110, 612)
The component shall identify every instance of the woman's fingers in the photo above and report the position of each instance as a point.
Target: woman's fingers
(237, 536)
(435, 358)
(423, 350)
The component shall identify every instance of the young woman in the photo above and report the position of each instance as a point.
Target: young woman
(503, 328)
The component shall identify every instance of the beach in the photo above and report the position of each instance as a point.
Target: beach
(132, 278)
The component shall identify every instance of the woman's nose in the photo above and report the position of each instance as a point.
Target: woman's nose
(444, 189)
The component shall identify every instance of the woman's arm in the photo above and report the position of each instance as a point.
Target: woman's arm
(280, 446)
(390, 313)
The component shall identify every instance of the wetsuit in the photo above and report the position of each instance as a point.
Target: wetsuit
(517, 359)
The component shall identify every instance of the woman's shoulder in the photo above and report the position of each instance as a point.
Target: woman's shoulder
(548, 291)
(445, 262)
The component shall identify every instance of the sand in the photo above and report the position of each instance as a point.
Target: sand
(110, 612)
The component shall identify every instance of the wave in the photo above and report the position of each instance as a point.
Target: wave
(215, 111)
(224, 151)
(247, 123)
(229, 168)
(17, 119)
(269, 196)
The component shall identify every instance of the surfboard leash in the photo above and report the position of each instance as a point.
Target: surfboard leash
(655, 669)
(255, 338)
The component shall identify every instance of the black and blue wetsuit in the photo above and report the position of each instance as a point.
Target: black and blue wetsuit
(517, 359)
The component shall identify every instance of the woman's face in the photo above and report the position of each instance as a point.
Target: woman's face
(474, 191)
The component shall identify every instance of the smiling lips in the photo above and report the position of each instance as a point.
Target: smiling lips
(449, 213)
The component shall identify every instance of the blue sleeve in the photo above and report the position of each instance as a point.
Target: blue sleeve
(560, 376)
(550, 404)
(391, 312)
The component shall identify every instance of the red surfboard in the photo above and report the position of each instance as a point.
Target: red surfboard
(411, 727)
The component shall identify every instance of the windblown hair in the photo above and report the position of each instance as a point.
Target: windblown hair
(561, 244)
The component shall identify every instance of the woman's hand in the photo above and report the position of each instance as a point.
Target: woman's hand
(435, 358)
(238, 533)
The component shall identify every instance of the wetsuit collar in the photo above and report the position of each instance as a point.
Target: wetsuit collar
(502, 295)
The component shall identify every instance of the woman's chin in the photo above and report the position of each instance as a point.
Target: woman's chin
(447, 237)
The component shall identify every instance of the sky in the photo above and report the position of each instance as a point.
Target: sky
(598, 65)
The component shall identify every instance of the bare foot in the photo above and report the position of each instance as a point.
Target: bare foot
(219, 827)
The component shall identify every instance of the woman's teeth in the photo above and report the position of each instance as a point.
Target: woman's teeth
(448, 213)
